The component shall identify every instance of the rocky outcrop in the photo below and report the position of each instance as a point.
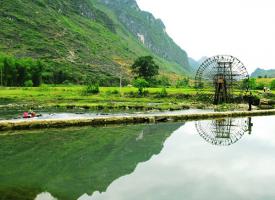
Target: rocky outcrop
(148, 30)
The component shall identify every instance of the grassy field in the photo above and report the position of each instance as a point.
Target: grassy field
(265, 81)
(109, 98)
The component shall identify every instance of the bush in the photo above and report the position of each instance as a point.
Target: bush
(110, 92)
(260, 86)
(163, 93)
(164, 81)
(67, 82)
(91, 89)
(28, 83)
(140, 83)
(184, 83)
(272, 85)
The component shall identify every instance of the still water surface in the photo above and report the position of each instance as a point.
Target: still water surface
(213, 159)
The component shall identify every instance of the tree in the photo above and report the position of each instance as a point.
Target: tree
(9, 72)
(249, 83)
(145, 67)
(21, 74)
(37, 73)
(164, 81)
(272, 85)
(183, 83)
(140, 83)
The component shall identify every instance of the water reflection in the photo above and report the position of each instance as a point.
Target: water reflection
(159, 161)
(189, 168)
(224, 132)
(66, 163)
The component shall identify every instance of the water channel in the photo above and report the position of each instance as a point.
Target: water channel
(209, 159)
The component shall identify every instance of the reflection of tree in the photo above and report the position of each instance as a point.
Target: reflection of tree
(70, 162)
(224, 132)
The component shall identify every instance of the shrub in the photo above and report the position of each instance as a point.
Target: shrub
(110, 92)
(272, 85)
(164, 81)
(163, 93)
(182, 83)
(91, 89)
(28, 83)
(115, 91)
(140, 83)
(67, 82)
(260, 86)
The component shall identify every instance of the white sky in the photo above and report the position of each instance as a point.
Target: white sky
(242, 28)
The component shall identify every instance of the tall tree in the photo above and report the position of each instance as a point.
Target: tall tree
(21, 74)
(9, 72)
(145, 67)
(37, 73)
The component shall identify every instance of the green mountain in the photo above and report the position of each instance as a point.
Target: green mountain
(263, 73)
(86, 39)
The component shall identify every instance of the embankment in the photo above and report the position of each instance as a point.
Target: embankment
(127, 119)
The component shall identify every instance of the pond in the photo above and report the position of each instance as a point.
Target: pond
(212, 159)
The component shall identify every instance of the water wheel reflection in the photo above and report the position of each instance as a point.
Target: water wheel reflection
(224, 132)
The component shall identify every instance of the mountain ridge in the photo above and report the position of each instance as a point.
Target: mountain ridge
(268, 73)
(86, 39)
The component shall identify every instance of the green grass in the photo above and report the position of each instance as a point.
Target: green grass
(109, 98)
(265, 81)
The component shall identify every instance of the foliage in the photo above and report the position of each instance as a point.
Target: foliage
(249, 84)
(17, 72)
(145, 67)
(183, 83)
(140, 83)
(164, 81)
(91, 89)
(272, 85)
(259, 86)
(65, 36)
(163, 93)
(28, 83)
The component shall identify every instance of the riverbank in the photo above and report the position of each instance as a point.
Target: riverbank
(111, 99)
(125, 119)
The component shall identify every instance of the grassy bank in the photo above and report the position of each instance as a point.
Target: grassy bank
(109, 98)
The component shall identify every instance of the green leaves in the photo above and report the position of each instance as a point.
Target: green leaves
(272, 85)
(18, 72)
(145, 67)
(140, 83)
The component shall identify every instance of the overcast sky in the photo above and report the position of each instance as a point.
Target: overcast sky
(242, 28)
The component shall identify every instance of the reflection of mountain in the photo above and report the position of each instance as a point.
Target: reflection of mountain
(68, 163)
(223, 131)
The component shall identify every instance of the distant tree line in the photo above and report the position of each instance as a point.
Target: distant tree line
(254, 85)
(20, 72)
(28, 72)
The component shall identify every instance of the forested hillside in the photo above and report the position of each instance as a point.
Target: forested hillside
(78, 41)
